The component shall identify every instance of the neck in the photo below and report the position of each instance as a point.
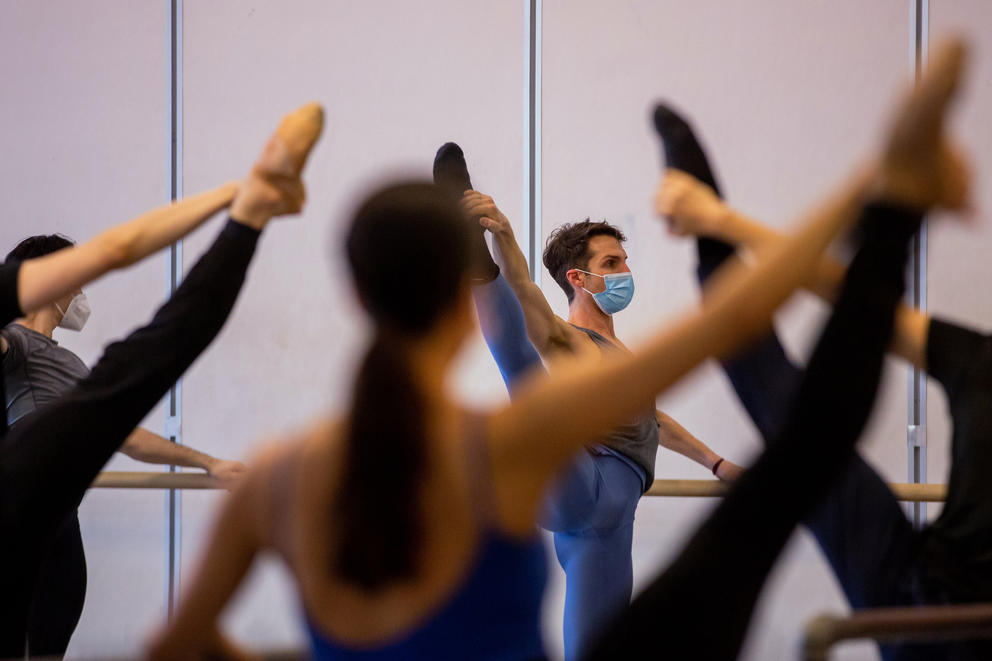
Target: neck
(429, 362)
(44, 321)
(585, 313)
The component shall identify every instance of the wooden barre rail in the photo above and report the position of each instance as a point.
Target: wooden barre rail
(927, 493)
(914, 623)
(915, 493)
(154, 480)
(269, 655)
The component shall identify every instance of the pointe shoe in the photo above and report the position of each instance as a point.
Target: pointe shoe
(918, 165)
(273, 186)
(299, 131)
(286, 151)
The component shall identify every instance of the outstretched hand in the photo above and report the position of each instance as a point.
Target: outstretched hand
(690, 207)
(728, 471)
(227, 472)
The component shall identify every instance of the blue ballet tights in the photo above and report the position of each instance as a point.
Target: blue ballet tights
(591, 509)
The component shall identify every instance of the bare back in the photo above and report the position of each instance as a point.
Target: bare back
(459, 506)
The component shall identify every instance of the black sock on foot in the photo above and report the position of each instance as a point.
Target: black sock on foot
(683, 151)
(450, 170)
(451, 174)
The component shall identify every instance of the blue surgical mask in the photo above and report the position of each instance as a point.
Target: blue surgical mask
(618, 293)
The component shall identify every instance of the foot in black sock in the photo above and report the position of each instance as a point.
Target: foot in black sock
(683, 152)
(451, 174)
(450, 171)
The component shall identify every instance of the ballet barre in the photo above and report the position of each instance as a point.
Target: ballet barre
(270, 655)
(907, 492)
(893, 625)
(917, 493)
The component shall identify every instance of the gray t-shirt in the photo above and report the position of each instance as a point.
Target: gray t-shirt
(636, 439)
(36, 371)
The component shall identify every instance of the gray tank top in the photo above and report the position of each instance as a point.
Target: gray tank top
(36, 371)
(636, 439)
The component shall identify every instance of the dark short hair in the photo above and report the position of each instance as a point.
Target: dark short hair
(568, 248)
(38, 246)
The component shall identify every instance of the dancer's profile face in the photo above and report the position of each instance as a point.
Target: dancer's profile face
(606, 255)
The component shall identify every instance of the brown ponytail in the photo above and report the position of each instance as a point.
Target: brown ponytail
(378, 507)
(408, 251)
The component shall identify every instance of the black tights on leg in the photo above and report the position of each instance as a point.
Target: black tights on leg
(717, 578)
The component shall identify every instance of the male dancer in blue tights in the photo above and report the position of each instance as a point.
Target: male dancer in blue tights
(592, 510)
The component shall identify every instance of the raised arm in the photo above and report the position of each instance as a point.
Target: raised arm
(551, 418)
(692, 208)
(548, 332)
(45, 279)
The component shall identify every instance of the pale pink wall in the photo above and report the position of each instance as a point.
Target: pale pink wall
(397, 80)
(959, 264)
(84, 146)
(786, 96)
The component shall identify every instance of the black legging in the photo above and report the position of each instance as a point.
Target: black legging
(701, 606)
(59, 592)
(49, 460)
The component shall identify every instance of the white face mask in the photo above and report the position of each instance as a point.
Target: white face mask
(75, 315)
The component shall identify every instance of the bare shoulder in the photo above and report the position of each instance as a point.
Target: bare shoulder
(277, 471)
(565, 339)
(568, 343)
(294, 447)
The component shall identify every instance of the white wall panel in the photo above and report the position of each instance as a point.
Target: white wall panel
(786, 96)
(397, 80)
(84, 140)
(958, 265)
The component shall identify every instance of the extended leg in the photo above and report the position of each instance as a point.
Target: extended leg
(59, 594)
(51, 458)
(858, 524)
(816, 443)
(591, 513)
(500, 316)
(502, 322)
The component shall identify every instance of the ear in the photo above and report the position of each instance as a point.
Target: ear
(576, 278)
